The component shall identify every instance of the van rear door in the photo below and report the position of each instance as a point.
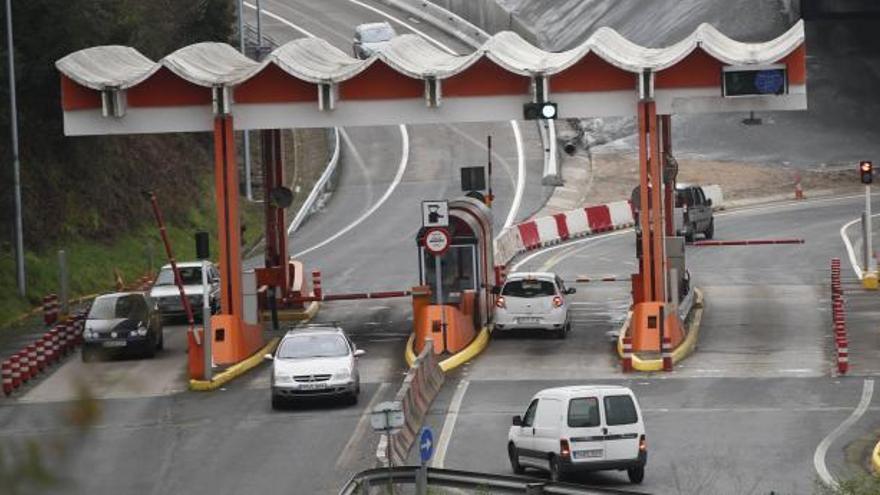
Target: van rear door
(585, 430)
(623, 427)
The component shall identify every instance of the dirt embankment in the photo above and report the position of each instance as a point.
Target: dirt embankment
(615, 174)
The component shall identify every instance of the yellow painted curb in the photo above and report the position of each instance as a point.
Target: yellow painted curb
(875, 459)
(457, 359)
(682, 351)
(235, 370)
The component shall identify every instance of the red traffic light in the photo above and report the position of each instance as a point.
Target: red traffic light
(866, 169)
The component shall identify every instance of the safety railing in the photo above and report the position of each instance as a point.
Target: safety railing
(374, 481)
(320, 188)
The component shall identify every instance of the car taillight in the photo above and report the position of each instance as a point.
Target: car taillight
(564, 449)
(557, 301)
(643, 444)
(500, 302)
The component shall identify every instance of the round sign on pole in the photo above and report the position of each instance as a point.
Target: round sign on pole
(437, 241)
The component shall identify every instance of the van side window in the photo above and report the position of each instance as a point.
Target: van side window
(701, 198)
(529, 416)
(620, 410)
(583, 413)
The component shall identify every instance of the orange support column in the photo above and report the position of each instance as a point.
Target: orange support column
(669, 190)
(658, 237)
(647, 285)
(233, 339)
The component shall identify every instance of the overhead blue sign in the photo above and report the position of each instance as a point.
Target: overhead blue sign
(426, 444)
(770, 82)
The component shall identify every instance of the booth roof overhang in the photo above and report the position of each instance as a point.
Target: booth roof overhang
(310, 83)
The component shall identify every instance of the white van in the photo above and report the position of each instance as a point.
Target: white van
(580, 428)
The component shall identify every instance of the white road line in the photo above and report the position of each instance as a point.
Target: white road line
(404, 160)
(359, 160)
(406, 25)
(280, 19)
(853, 260)
(449, 424)
(585, 240)
(348, 452)
(822, 449)
(520, 178)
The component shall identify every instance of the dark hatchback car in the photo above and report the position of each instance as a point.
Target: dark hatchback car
(124, 322)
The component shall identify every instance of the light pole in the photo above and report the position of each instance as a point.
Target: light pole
(16, 173)
(247, 135)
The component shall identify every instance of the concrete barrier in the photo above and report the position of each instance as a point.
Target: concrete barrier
(420, 386)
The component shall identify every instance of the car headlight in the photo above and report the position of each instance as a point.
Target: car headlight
(283, 378)
(343, 374)
(141, 331)
(88, 334)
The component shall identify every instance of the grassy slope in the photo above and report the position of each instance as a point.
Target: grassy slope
(91, 263)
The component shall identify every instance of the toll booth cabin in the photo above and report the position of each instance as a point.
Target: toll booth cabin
(453, 312)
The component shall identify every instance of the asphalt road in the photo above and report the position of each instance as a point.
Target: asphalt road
(747, 411)
(150, 436)
(745, 414)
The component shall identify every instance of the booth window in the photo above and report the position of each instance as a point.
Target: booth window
(458, 271)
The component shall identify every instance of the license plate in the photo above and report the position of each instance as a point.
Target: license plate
(114, 343)
(313, 386)
(528, 319)
(587, 454)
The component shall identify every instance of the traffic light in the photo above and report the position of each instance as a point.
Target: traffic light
(534, 111)
(866, 169)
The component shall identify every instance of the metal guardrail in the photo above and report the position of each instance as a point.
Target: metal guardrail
(320, 187)
(364, 482)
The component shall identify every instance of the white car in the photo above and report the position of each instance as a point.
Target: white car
(315, 362)
(370, 38)
(580, 428)
(534, 300)
(167, 295)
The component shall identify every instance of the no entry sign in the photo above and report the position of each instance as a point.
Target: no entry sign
(437, 241)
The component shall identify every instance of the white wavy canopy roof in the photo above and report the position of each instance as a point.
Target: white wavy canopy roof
(315, 60)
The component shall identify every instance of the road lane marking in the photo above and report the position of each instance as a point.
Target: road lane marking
(822, 449)
(280, 19)
(520, 179)
(404, 160)
(406, 25)
(348, 452)
(449, 424)
(359, 160)
(849, 247)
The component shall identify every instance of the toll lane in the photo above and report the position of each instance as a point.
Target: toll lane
(747, 410)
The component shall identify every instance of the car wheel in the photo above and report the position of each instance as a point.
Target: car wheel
(513, 455)
(352, 399)
(150, 351)
(636, 475)
(160, 345)
(710, 232)
(689, 234)
(277, 403)
(555, 469)
(89, 355)
(560, 334)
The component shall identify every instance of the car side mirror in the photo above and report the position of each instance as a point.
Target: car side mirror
(708, 202)
(359, 353)
(268, 357)
(570, 290)
(496, 289)
(517, 420)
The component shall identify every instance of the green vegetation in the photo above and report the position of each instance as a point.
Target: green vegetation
(857, 484)
(84, 194)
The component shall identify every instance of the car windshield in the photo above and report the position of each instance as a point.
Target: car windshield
(191, 275)
(313, 346)
(528, 288)
(377, 34)
(111, 308)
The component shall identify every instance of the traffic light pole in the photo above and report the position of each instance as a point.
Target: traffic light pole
(870, 263)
